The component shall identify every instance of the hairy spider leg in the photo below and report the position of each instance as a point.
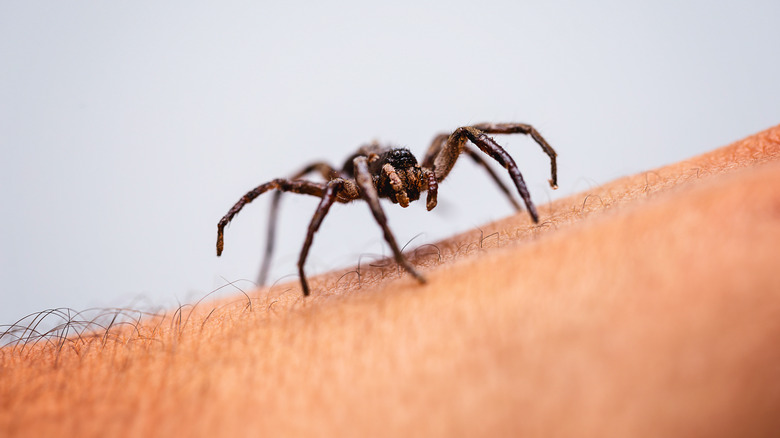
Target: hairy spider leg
(327, 172)
(522, 128)
(328, 198)
(438, 143)
(456, 143)
(282, 184)
(478, 159)
(434, 149)
(369, 194)
(496, 128)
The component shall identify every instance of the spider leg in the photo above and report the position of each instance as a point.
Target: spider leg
(434, 149)
(522, 128)
(327, 172)
(478, 159)
(430, 174)
(369, 194)
(282, 184)
(456, 144)
(328, 198)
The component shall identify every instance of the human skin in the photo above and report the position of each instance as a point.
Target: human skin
(646, 307)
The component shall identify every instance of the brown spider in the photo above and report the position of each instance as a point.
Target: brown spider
(375, 172)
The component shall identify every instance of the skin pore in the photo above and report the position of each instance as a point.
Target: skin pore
(649, 306)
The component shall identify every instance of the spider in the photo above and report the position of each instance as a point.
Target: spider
(376, 171)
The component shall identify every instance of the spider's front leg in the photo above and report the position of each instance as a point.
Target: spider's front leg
(523, 128)
(490, 147)
(281, 184)
(369, 194)
(433, 151)
(443, 154)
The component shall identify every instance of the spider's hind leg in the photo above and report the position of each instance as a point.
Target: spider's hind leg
(328, 172)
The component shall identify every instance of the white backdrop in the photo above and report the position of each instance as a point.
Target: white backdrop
(129, 128)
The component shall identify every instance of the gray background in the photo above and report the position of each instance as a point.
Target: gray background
(129, 128)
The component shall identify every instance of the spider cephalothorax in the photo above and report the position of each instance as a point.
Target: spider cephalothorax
(396, 174)
(375, 172)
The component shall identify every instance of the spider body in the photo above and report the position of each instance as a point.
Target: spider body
(394, 172)
(376, 171)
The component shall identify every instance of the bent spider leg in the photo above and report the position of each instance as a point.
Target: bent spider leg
(282, 184)
(328, 198)
(369, 194)
(522, 128)
(436, 146)
(478, 159)
(433, 149)
(490, 147)
(327, 172)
